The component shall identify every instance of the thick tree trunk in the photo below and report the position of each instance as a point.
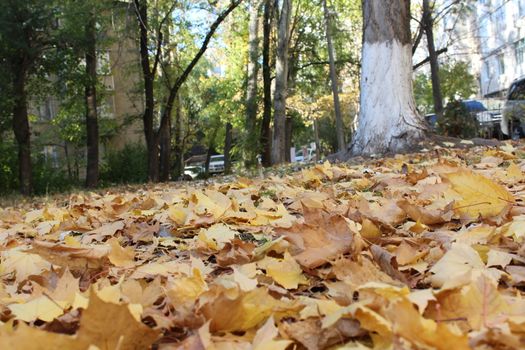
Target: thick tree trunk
(341, 146)
(388, 120)
(227, 149)
(265, 137)
(251, 86)
(281, 80)
(433, 58)
(21, 129)
(90, 94)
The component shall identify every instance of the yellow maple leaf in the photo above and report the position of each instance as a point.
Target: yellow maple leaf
(265, 338)
(119, 256)
(287, 272)
(42, 308)
(23, 264)
(481, 197)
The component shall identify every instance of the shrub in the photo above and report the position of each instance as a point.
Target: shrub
(457, 121)
(128, 165)
(8, 167)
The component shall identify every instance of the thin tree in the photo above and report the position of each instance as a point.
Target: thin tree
(163, 133)
(90, 95)
(428, 23)
(251, 84)
(265, 136)
(388, 120)
(341, 146)
(281, 80)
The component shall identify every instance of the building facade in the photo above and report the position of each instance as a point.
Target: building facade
(501, 41)
(120, 102)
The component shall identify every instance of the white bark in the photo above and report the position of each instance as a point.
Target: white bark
(281, 84)
(388, 120)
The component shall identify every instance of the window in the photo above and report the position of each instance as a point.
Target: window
(501, 64)
(103, 63)
(517, 91)
(520, 51)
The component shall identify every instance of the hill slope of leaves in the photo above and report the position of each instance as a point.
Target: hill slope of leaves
(424, 251)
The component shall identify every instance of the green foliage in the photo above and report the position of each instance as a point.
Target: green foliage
(457, 121)
(8, 166)
(128, 165)
(456, 83)
(47, 177)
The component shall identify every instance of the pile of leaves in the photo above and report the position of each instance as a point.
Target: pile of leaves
(422, 251)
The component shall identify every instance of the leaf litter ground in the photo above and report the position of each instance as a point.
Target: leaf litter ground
(419, 251)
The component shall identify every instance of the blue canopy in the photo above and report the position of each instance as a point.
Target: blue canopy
(474, 106)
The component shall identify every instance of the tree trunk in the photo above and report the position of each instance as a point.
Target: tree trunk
(341, 146)
(281, 80)
(21, 128)
(317, 141)
(251, 86)
(148, 76)
(165, 151)
(90, 94)
(388, 120)
(265, 137)
(179, 141)
(433, 58)
(227, 149)
(288, 139)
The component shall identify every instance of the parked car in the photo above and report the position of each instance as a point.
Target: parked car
(488, 120)
(192, 172)
(216, 164)
(513, 117)
(300, 156)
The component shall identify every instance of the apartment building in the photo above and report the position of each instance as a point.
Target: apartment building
(120, 103)
(501, 42)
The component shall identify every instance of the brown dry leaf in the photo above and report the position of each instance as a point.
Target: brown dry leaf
(72, 257)
(240, 311)
(112, 326)
(478, 303)
(318, 243)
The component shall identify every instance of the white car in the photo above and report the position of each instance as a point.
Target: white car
(191, 172)
(300, 157)
(216, 164)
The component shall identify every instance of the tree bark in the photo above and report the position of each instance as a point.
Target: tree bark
(317, 141)
(148, 75)
(251, 86)
(265, 136)
(21, 127)
(227, 148)
(341, 145)
(288, 138)
(388, 120)
(281, 80)
(165, 152)
(90, 95)
(433, 58)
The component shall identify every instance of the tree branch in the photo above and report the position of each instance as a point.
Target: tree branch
(182, 78)
(426, 60)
